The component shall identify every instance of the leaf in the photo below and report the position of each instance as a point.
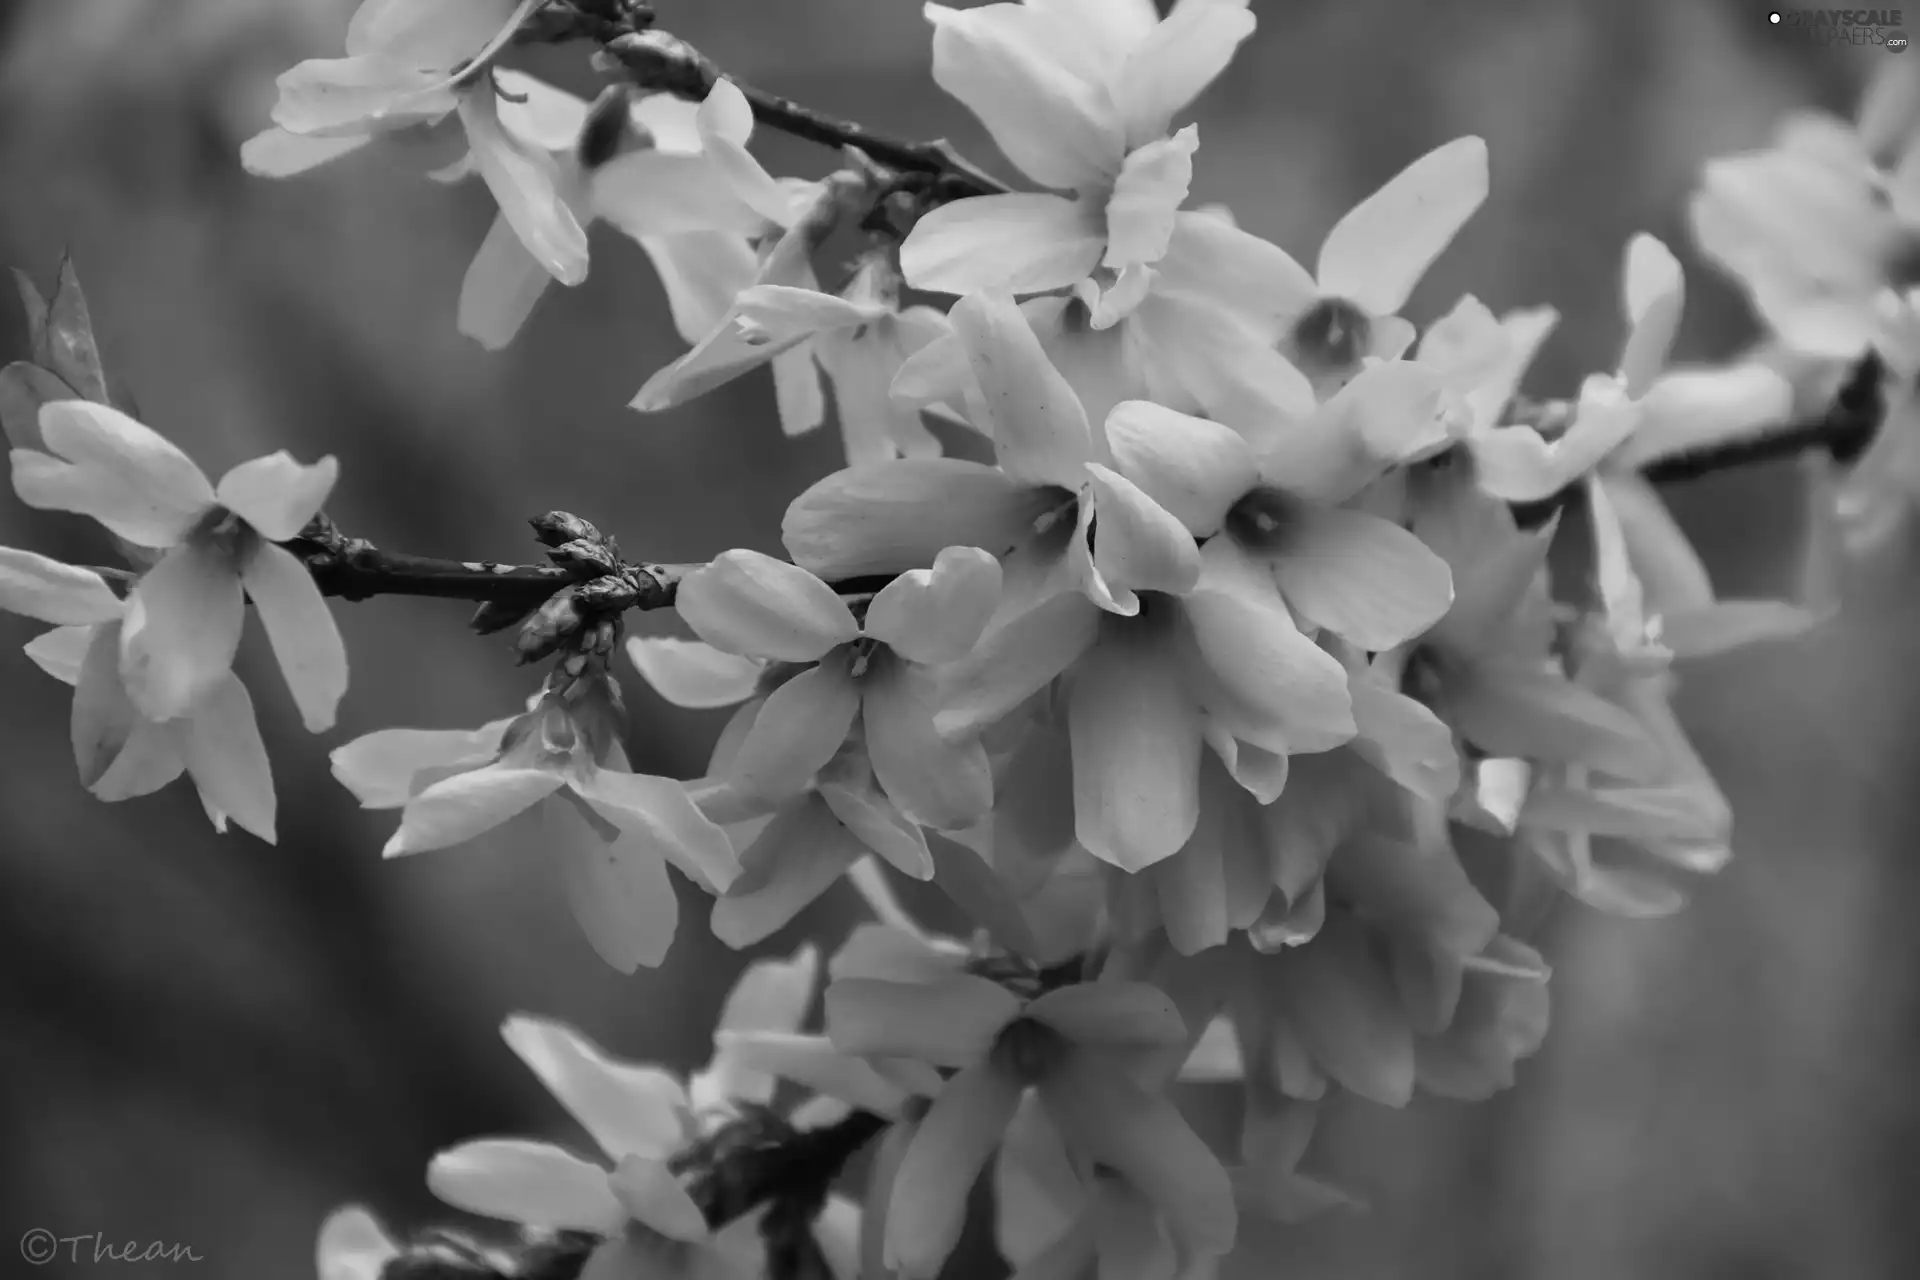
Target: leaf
(72, 352)
(36, 309)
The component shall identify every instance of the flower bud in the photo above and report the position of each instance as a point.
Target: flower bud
(557, 528)
(585, 558)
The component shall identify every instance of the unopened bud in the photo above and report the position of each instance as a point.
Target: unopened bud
(497, 615)
(606, 595)
(586, 558)
(556, 528)
(550, 626)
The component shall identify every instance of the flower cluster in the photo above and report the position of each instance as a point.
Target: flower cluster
(1197, 623)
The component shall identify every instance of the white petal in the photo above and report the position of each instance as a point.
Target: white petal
(112, 468)
(1390, 413)
(62, 651)
(813, 1062)
(1726, 625)
(1039, 428)
(1146, 197)
(951, 1022)
(1136, 753)
(531, 1183)
(525, 183)
(855, 797)
(1176, 62)
(182, 629)
(931, 780)
(222, 750)
(1140, 545)
(1059, 129)
(927, 1207)
(429, 34)
(1014, 243)
(1231, 268)
(1516, 465)
(935, 615)
(1346, 1009)
(277, 495)
(1363, 578)
(456, 809)
(1404, 740)
(798, 397)
(619, 890)
(351, 1246)
(797, 732)
(1193, 467)
(724, 121)
(355, 96)
(1693, 409)
(802, 852)
(692, 673)
(502, 285)
(629, 1109)
(383, 769)
(35, 587)
(893, 516)
(1655, 292)
(118, 753)
(1225, 361)
(1015, 661)
(1111, 1013)
(305, 640)
(1377, 253)
(275, 153)
(701, 271)
(658, 815)
(749, 603)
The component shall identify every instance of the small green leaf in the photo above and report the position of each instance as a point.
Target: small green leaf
(72, 352)
(36, 308)
(23, 389)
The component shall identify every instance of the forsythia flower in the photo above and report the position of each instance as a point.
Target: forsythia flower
(1080, 98)
(184, 616)
(412, 62)
(453, 785)
(121, 753)
(1071, 1045)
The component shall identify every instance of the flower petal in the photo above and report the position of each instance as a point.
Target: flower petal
(62, 651)
(306, 642)
(456, 809)
(855, 797)
(658, 815)
(1039, 429)
(1516, 465)
(1655, 292)
(1142, 1136)
(277, 495)
(629, 1109)
(383, 769)
(1060, 129)
(795, 859)
(351, 1246)
(1507, 708)
(618, 887)
(525, 183)
(1363, 578)
(1111, 1013)
(724, 121)
(1692, 409)
(692, 673)
(503, 284)
(109, 467)
(927, 1206)
(35, 587)
(1136, 752)
(532, 1183)
(1343, 1001)
(1015, 661)
(1404, 740)
(1182, 55)
(801, 727)
(182, 629)
(1236, 270)
(1014, 244)
(223, 753)
(1146, 197)
(701, 271)
(950, 1022)
(931, 615)
(749, 603)
(1193, 467)
(1139, 544)
(106, 729)
(275, 153)
(931, 780)
(655, 1198)
(1377, 253)
(894, 516)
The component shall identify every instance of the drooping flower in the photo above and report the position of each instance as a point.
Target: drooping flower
(665, 183)
(121, 753)
(1080, 99)
(184, 616)
(453, 785)
(415, 62)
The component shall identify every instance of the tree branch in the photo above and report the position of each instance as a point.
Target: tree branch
(661, 63)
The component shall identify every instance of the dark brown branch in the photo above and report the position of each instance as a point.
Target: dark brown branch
(662, 63)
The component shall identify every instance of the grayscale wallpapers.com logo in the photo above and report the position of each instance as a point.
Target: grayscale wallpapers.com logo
(1824, 27)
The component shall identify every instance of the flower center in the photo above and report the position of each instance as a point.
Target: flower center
(1333, 334)
(1261, 518)
(1028, 1050)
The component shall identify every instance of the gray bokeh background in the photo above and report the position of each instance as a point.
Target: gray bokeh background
(209, 1041)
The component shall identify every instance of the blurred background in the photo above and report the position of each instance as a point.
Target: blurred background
(213, 1042)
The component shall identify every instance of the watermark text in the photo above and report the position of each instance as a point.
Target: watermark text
(40, 1246)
